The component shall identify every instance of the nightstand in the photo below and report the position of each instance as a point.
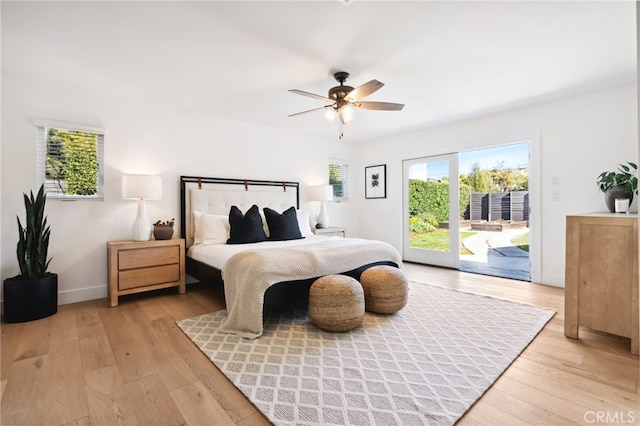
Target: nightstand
(336, 231)
(138, 266)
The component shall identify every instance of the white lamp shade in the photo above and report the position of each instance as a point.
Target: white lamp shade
(321, 193)
(330, 113)
(141, 187)
(346, 114)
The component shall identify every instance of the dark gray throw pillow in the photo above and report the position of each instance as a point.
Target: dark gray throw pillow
(245, 228)
(283, 226)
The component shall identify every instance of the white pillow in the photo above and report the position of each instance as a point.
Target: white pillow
(265, 226)
(304, 223)
(210, 228)
(197, 227)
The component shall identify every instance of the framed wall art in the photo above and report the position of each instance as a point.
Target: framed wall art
(375, 178)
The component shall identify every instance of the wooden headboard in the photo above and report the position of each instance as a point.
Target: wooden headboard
(217, 195)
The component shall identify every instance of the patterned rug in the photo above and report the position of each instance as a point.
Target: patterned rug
(425, 365)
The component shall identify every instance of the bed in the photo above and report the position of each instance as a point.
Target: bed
(260, 275)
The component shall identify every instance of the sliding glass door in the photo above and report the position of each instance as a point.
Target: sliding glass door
(431, 217)
(472, 211)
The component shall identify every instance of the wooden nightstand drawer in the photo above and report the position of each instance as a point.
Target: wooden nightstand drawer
(134, 278)
(142, 258)
(137, 266)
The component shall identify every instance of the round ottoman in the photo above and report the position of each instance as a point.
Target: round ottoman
(386, 289)
(336, 303)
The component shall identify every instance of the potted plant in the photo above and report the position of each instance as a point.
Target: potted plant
(621, 183)
(34, 293)
(163, 230)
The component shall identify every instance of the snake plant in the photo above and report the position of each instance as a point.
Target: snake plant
(33, 242)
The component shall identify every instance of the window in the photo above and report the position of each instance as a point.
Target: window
(70, 161)
(338, 178)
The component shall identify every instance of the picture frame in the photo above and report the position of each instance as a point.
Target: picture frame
(375, 178)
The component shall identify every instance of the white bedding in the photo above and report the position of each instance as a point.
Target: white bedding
(248, 270)
(217, 254)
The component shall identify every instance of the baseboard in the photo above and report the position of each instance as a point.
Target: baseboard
(553, 280)
(82, 294)
(76, 295)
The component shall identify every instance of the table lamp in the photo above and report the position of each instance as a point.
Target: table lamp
(141, 188)
(322, 193)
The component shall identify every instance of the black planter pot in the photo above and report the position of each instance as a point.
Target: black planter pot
(615, 192)
(28, 300)
(162, 232)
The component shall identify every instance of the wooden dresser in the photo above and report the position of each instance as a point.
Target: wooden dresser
(137, 266)
(601, 275)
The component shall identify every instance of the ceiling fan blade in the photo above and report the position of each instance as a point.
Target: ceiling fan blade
(363, 91)
(310, 95)
(306, 112)
(381, 106)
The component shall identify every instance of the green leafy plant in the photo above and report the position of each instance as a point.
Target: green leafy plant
(419, 225)
(624, 175)
(33, 242)
(164, 223)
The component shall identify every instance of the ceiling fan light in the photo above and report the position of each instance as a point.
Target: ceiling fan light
(330, 113)
(346, 114)
(342, 100)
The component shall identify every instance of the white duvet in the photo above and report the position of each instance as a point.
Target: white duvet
(248, 270)
(217, 254)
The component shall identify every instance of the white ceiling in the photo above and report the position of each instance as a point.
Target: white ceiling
(445, 60)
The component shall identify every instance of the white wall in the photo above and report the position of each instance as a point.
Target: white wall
(580, 137)
(142, 137)
(638, 102)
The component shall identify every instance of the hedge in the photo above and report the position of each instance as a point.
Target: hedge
(432, 198)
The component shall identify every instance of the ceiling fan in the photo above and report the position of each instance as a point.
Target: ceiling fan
(343, 99)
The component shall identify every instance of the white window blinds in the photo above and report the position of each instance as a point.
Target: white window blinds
(338, 178)
(70, 161)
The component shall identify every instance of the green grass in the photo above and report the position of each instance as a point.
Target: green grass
(522, 242)
(437, 240)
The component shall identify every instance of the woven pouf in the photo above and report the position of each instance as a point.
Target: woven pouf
(386, 289)
(336, 303)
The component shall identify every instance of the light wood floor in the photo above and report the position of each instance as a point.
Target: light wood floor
(94, 365)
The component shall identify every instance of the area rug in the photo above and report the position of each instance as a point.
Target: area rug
(425, 365)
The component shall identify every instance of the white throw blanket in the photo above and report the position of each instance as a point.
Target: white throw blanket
(247, 275)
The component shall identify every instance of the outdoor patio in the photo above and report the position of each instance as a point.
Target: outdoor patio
(494, 254)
